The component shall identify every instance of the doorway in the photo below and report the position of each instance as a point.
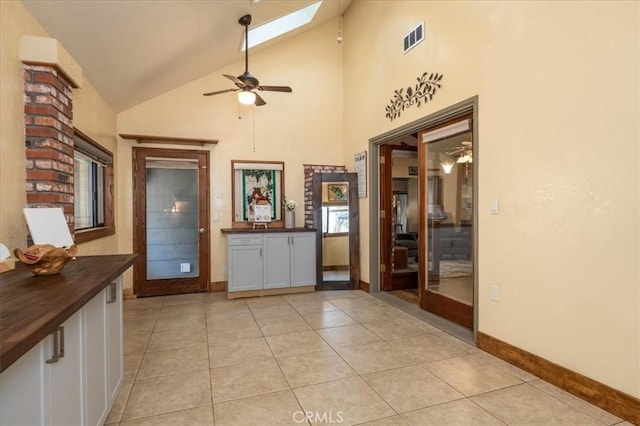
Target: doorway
(446, 239)
(399, 223)
(170, 221)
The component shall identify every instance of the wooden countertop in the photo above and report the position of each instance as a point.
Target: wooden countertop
(262, 230)
(31, 306)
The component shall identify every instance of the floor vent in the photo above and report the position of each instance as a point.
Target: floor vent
(415, 36)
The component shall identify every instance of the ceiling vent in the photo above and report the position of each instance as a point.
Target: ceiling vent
(415, 36)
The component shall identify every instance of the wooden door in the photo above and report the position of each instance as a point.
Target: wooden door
(171, 221)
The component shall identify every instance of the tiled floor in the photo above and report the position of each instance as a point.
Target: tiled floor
(340, 357)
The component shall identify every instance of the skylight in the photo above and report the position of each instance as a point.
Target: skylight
(282, 25)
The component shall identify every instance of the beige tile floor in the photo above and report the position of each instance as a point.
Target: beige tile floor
(341, 357)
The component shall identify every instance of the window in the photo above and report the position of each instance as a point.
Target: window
(93, 189)
(282, 25)
(335, 219)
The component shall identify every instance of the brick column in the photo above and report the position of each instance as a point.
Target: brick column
(49, 139)
(309, 170)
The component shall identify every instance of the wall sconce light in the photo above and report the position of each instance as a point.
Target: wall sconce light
(447, 166)
(246, 97)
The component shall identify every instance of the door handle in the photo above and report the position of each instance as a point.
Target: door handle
(58, 345)
(201, 230)
(111, 297)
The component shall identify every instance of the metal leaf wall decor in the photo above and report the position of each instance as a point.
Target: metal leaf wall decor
(420, 94)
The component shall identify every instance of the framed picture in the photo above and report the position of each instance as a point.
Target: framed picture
(337, 192)
(257, 184)
(262, 213)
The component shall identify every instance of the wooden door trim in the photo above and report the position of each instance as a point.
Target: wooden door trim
(386, 196)
(386, 205)
(139, 156)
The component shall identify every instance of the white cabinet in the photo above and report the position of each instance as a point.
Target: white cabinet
(271, 260)
(115, 360)
(70, 377)
(44, 386)
(21, 397)
(289, 260)
(63, 374)
(277, 260)
(303, 259)
(245, 262)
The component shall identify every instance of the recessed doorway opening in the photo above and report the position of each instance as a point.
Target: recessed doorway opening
(423, 216)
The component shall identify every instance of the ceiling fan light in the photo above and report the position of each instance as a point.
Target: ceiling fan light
(465, 159)
(447, 167)
(246, 97)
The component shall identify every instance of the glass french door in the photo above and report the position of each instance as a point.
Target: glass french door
(446, 153)
(171, 221)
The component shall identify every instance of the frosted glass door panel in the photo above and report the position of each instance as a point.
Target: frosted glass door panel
(172, 219)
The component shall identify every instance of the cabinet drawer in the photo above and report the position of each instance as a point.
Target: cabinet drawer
(244, 240)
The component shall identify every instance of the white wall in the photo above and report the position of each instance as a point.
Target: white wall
(558, 86)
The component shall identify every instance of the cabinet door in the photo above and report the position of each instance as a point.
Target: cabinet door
(277, 271)
(63, 379)
(94, 316)
(21, 398)
(114, 340)
(303, 259)
(245, 268)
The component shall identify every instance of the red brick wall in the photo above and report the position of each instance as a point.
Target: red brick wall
(309, 170)
(48, 105)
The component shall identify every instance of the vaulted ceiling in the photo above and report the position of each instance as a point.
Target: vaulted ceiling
(134, 50)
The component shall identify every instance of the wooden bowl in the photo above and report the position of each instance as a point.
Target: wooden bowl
(46, 259)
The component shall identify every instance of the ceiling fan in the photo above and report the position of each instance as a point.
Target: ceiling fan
(246, 83)
(464, 153)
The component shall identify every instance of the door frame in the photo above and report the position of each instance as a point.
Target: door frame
(386, 205)
(354, 230)
(171, 285)
(469, 105)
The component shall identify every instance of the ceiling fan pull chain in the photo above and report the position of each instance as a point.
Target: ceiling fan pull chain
(253, 115)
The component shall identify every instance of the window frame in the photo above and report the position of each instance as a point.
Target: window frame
(109, 228)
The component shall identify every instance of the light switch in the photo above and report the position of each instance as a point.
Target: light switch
(495, 206)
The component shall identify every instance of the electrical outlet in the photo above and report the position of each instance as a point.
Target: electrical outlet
(495, 293)
(185, 267)
(224, 270)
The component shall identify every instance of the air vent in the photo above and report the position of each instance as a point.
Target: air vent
(415, 36)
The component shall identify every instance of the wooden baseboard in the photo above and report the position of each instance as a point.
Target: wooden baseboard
(335, 268)
(364, 286)
(128, 294)
(270, 292)
(217, 286)
(614, 401)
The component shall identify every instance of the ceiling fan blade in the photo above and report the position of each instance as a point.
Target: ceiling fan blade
(219, 92)
(259, 100)
(276, 88)
(236, 80)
